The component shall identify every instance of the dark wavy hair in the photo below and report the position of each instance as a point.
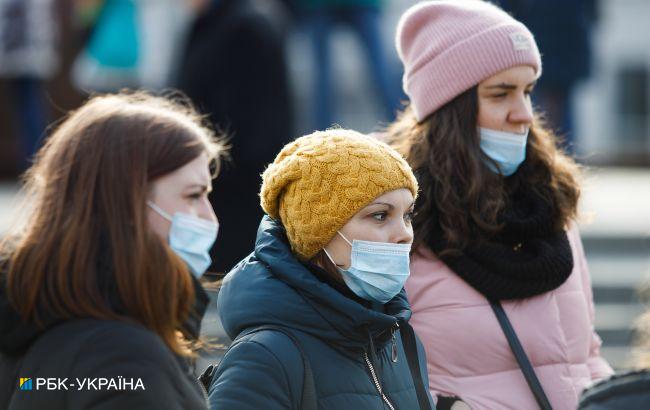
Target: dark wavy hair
(458, 192)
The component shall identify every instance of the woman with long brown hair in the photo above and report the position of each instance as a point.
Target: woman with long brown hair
(100, 304)
(499, 284)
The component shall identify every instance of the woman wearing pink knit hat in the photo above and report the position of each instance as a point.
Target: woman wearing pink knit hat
(499, 284)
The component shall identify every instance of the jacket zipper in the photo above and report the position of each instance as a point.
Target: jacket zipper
(376, 381)
(394, 342)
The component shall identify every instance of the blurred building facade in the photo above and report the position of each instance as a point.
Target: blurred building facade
(613, 106)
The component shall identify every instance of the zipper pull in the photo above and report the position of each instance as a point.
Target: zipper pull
(394, 347)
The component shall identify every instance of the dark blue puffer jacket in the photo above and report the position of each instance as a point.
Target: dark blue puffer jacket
(342, 338)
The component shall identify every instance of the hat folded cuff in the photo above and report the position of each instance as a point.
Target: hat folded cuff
(468, 63)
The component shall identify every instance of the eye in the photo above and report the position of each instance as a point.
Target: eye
(408, 217)
(499, 96)
(528, 92)
(195, 196)
(380, 216)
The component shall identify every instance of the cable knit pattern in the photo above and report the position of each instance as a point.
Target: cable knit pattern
(319, 181)
(449, 46)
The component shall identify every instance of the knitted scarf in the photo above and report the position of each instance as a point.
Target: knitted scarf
(527, 258)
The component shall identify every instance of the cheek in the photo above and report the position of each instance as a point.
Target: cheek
(159, 225)
(341, 253)
(368, 230)
(491, 115)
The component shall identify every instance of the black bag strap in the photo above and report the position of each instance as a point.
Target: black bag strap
(308, 400)
(411, 350)
(520, 355)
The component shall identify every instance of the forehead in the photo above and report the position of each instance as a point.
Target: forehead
(196, 171)
(517, 75)
(397, 197)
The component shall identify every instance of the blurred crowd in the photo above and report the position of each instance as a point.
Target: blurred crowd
(230, 58)
(375, 262)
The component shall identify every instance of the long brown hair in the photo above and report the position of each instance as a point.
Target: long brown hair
(459, 193)
(87, 223)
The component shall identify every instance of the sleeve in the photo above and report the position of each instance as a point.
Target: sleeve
(121, 370)
(250, 376)
(598, 366)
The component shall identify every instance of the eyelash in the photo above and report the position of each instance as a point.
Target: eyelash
(503, 95)
(382, 214)
(408, 216)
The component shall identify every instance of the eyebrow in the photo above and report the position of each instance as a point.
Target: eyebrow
(506, 86)
(203, 187)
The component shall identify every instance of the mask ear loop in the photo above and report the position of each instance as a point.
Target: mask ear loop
(159, 211)
(330, 256)
(344, 238)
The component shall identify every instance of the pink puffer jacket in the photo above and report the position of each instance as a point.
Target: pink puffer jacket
(468, 355)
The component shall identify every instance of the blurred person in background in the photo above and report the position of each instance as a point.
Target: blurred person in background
(498, 260)
(234, 70)
(321, 18)
(101, 281)
(563, 31)
(317, 311)
(29, 33)
(132, 43)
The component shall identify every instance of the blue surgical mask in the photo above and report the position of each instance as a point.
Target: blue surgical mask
(507, 149)
(190, 238)
(378, 270)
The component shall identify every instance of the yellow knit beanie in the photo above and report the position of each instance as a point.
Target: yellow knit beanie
(319, 181)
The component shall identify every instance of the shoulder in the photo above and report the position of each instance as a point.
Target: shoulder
(424, 261)
(628, 390)
(116, 336)
(272, 347)
(260, 370)
(573, 234)
(431, 279)
(139, 368)
(90, 344)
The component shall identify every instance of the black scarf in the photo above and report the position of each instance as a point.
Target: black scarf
(527, 258)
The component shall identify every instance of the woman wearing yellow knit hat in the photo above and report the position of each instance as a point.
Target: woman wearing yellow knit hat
(317, 312)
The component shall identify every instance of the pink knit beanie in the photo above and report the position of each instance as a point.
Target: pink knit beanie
(449, 46)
